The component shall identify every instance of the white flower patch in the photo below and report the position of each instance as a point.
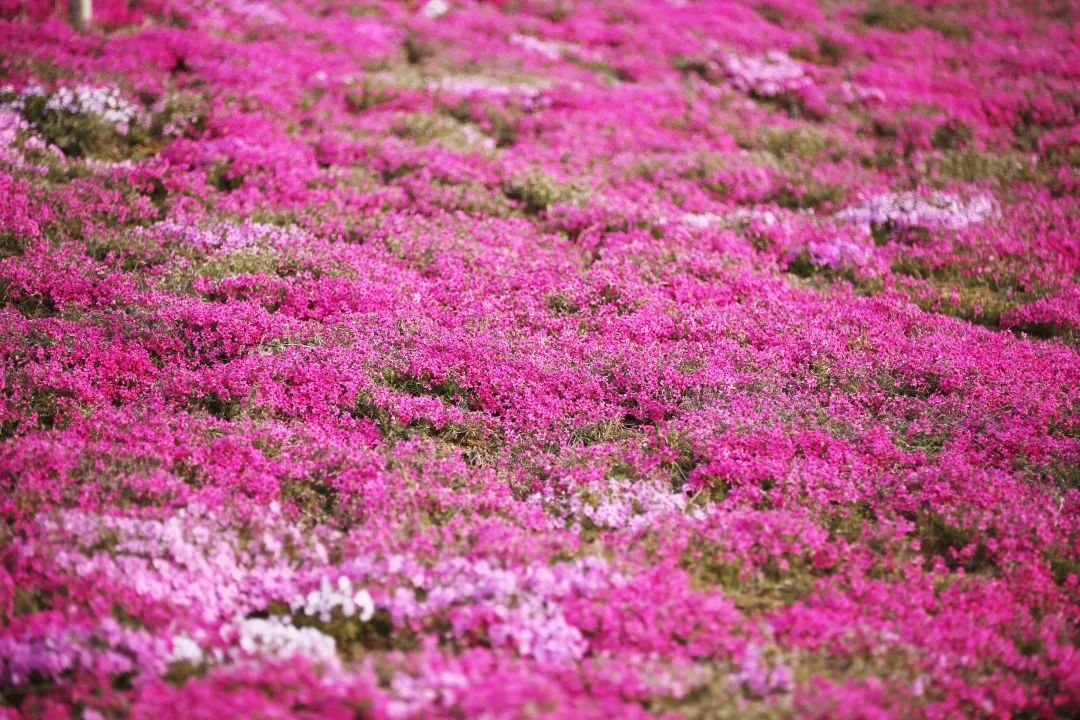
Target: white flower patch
(185, 649)
(416, 694)
(522, 608)
(550, 50)
(837, 253)
(469, 84)
(735, 218)
(909, 209)
(257, 11)
(699, 220)
(625, 504)
(106, 103)
(14, 127)
(853, 93)
(227, 237)
(54, 649)
(538, 629)
(194, 558)
(277, 638)
(435, 9)
(11, 124)
(327, 598)
(768, 75)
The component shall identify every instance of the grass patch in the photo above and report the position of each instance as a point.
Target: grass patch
(1062, 566)
(798, 142)
(316, 501)
(809, 194)
(753, 590)
(600, 432)
(500, 123)
(848, 521)
(537, 191)
(939, 537)
(902, 17)
(972, 165)
(423, 128)
(980, 297)
(447, 389)
(827, 51)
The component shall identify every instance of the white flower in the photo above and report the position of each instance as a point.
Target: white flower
(106, 103)
(327, 598)
(550, 50)
(186, 650)
(908, 209)
(278, 638)
(768, 75)
(435, 8)
(365, 603)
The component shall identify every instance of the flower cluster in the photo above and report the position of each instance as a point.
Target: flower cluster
(769, 75)
(327, 598)
(106, 103)
(755, 677)
(910, 209)
(277, 638)
(837, 252)
(563, 359)
(108, 648)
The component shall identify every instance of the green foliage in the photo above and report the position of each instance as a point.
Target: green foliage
(600, 432)
(951, 136)
(10, 245)
(127, 252)
(447, 389)
(1062, 565)
(216, 406)
(180, 671)
(180, 114)
(372, 93)
(849, 521)
(417, 52)
(977, 294)
(830, 51)
(86, 135)
(26, 601)
(76, 134)
(499, 122)
(223, 177)
(355, 637)
(902, 17)
(809, 194)
(803, 142)
(938, 537)
(254, 260)
(751, 589)
(771, 13)
(561, 305)
(366, 408)
(610, 72)
(316, 501)
(538, 191)
(684, 461)
(1045, 331)
(475, 444)
(972, 165)
(425, 127)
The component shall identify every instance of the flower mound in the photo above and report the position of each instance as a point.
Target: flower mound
(453, 359)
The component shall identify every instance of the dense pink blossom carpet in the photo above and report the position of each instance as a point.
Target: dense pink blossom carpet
(540, 359)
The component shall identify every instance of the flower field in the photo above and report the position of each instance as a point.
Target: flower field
(540, 359)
